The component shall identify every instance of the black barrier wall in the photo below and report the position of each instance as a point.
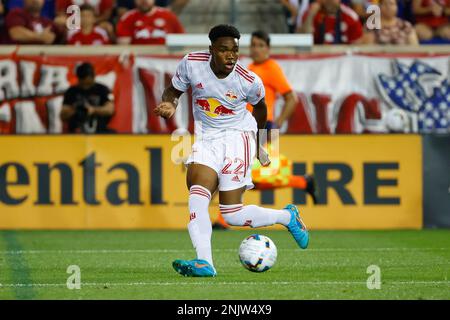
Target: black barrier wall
(436, 181)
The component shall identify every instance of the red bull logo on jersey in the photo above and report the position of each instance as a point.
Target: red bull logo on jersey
(213, 108)
(231, 96)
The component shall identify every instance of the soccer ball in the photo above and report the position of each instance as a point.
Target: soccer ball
(257, 253)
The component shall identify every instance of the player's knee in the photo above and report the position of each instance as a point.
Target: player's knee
(203, 176)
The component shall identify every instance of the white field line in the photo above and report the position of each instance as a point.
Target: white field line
(83, 251)
(214, 283)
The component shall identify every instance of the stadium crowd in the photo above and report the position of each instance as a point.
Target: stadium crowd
(148, 21)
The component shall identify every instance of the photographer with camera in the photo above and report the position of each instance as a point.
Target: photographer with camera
(87, 106)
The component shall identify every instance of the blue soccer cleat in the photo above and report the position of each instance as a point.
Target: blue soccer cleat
(194, 268)
(297, 228)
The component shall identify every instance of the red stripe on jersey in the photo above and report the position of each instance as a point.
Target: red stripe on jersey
(199, 54)
(243, 75)
(245, 71)
(242, 68)
(198, 59)
(247, 154)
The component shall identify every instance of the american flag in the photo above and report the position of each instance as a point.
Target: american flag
(405, 90)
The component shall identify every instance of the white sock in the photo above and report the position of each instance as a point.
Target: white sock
(199, 227)
(254, 216)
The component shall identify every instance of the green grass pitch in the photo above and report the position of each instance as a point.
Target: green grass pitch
(137, 265)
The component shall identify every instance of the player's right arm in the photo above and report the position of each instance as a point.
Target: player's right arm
(179, 84)
(168, 106)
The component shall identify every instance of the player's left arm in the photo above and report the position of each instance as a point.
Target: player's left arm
(255, 97)
(260, 115)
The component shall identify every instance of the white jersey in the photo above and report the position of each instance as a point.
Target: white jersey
(218, 104)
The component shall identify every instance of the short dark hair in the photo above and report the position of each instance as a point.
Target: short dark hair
(260, 34)
(85, 70)
(86, 7)
(223, 30)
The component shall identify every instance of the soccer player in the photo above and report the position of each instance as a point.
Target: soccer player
(279, 173)
(226, 142)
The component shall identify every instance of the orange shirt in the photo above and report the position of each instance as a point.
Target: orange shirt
(274, 82)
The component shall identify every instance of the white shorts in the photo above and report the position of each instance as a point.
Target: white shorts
(230, 155)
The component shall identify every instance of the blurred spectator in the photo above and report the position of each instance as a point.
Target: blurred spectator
(103, 8)
(103, 11)
(432, 18)
(27, 26)
(88, 34)
(123, 6)
(393, 29)
(294, 10)
(332, 22)
(175, 5)
(360, 7)
(273, 78)
(2, 23)
(87, 106)
(290, 8)
(405, 10)
(48, 11)
(147, 24)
